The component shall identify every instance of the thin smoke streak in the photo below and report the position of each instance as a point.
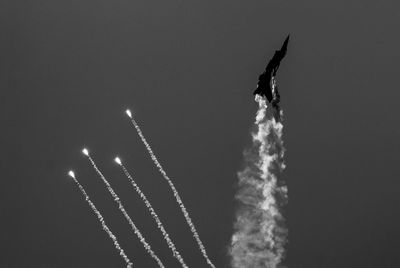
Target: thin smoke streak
(175, 192)
(260, 233)
(103, 224)
(123, 211)
(160, 226)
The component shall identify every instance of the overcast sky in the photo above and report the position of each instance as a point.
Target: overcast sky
(187, 69)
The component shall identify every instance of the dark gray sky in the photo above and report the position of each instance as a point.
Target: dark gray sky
(187, 69)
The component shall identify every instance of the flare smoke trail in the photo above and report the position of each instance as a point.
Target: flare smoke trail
(100, 218)
(260, 233)
(171, 245)
(122, 209)
(171, 185)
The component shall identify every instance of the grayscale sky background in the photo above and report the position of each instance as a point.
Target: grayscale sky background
(187, 69)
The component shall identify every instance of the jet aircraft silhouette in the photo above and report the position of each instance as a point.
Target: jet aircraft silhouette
(266, 86)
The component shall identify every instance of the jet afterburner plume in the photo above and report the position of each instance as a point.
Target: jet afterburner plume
(100, 218)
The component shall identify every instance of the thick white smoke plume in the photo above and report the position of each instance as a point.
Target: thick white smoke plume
(123, 211)
(153, 213)
(100, 218)
(174, 191)
(260, 233)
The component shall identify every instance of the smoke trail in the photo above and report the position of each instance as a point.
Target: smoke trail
(100, 218)
(260, 233)
(171, 245)
(171, 185)
(122, 209)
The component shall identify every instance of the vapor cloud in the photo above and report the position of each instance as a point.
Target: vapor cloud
(260, 233)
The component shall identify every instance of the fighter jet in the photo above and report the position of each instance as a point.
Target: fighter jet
(266, 83)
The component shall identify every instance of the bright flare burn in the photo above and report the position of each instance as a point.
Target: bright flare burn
(153, 213)
(126, 215)
(128, 112)
(100, 218)
(71, 174)
(85, 151)
(118, 160)
(174, 191)
(260, 233)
